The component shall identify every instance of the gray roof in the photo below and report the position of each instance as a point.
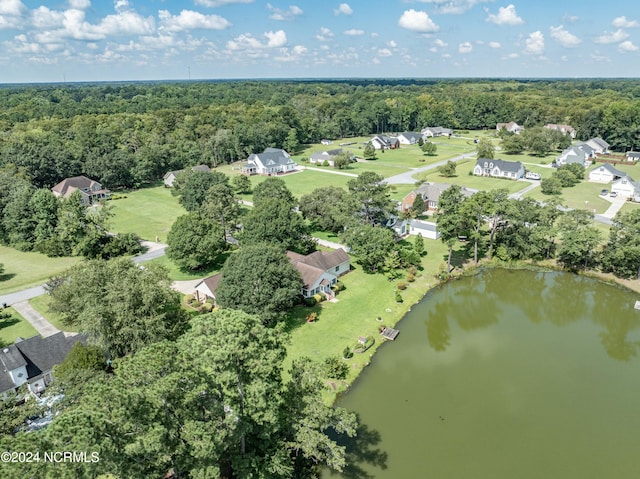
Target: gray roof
(326, 154)
(588, 149)
(69, 185)
(503, 165)
(633, 154)
(411, 135)
(574, 154)
(611, 169)
(432, 191)
(600, 142)
(11, 358)
(38, 354)
(271, 157)
(422, 225)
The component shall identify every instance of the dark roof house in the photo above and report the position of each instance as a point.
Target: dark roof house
(90, 190)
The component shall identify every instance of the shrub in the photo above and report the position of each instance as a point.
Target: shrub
(312, 317)
(310, 301)
(401, 286)
(410, 278)
(339, 286)
(335, 368)
(361, 348)
(319, 297)
(347, 353)
(398, 297)
(413, 270)
(189, 298)
(206, 308)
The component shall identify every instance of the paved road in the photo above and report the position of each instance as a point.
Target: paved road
(44, 327)
(518, 194)
(334, 172)
(407, 177)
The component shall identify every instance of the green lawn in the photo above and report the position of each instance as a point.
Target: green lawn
(41, 305)
(341, 324)
(14, 327)
(176, 274)
(24, 270)
(528, 158)
(584, 195)
(148, 212)
(463, 178)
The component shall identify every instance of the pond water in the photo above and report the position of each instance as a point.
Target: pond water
(507, 374)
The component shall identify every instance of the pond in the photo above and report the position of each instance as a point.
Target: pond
(507, 374)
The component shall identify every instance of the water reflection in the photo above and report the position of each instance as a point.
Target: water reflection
(542, 297)
(361, 450)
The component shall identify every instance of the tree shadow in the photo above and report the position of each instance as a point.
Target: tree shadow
(297, 317)
(6, 276)
(7, 322)
(458, 257)
(361, 450)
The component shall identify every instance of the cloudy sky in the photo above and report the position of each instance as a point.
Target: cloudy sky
(91, 40)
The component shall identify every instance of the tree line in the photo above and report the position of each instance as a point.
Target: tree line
(126, 135)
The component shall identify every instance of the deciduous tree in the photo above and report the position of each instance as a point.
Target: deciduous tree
(195, 241)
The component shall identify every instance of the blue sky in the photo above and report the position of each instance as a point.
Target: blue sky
(91, 40)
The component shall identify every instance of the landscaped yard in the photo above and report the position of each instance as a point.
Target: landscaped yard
(24, 270)
(366, 297)
(584, 195)
(14, 327)
(176, 274)
(148, 212)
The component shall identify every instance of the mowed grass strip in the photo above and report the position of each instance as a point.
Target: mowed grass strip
(14, 327)
(24, 270)
(584, 195)
(148, 212)
(41, 305)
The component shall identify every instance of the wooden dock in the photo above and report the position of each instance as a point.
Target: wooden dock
(390, 333)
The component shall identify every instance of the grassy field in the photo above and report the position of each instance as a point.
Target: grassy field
(463, 178)
(176, 274)
(584, 196)
(41, 305)
(14, 327)
(24, 270)
(354, 315)
(148, 212)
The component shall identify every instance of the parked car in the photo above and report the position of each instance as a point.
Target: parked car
(604, 192)
(531, 175)
(613, 194)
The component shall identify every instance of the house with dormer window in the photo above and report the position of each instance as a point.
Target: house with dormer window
(512, 170)
(272, 161)
(90, 190)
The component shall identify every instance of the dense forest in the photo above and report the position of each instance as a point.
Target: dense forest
(129, 134)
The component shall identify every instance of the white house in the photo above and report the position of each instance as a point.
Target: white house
(633, 155)
(431, 131)
(206, 289)
(626, 187)
(573, 154)
(319, 157)
(599, 145)
(512, 126)
(513, 170)
(383, 142)
(427, 229)
(31, 361)
(565, 129)
(605, 173)
(271, 161)
(170, 176)
(409, 137)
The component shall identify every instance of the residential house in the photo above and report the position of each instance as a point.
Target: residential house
(512, 126)
(326, 142)
(409, 137)
(513, 170)
(171, 176)
(430, 193)
(427, 229)
(272, 161)
(599, 145)
(90, 191)
(573, 154)
(633, 155)
(319, 271)
(565, 129)
(605, 173)
(319, 157)
(431, 131)
(383, 142)
(590, 152)
(626, 187)
(206, 289)
(31, 361)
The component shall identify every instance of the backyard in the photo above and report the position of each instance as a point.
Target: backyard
(14, 327)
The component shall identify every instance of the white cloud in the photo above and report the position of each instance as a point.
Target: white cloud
(191, 20)
(627, 46)
(276, 39)
(376, 61)
(290, 55)
(13, 8)
(600, 58)
(246, 41)
(354, 32)
(535, 43)
(614, 37)
(392, 44)
(465, 47)
(505, 16)
(454, 6)
(512, 56)
(439, 43)
(325, 34)
(219, 3)
(564, 38)
(282, 15)
(417, 21)
(43, 18)
(384, 52)
(622, 22)
(80, 4)
(343, 9)
(494, 44)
